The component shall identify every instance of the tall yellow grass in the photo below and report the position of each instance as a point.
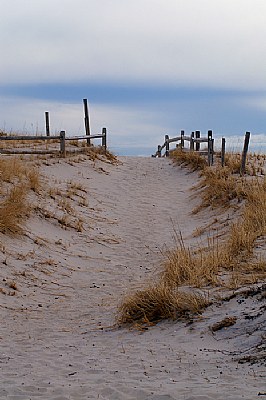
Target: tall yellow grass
(157, 302)
(16, 179)
(207, 267)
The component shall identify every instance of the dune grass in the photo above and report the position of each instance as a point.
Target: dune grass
(159, 301)
(17, 180)
(18, 177)
(73, 147)
(206, 267)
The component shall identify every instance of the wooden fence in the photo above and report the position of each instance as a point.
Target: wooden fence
(62, 138)
(195, 140)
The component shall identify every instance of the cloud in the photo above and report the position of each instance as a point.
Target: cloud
(26, 115)
(191, 42)
(236, 143)
(135, 123)
(257, 102)
(127, 127)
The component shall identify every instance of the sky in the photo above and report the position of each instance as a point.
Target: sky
(147, 67)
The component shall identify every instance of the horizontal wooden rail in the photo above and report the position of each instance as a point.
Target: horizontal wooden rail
(200, 140)
(30, 137)
(84, 137)
(175, 139)
(62, 138)
(194, 144)
(27, 151)
(188, 138)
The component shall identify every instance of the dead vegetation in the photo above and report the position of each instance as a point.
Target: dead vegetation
(22, 190)
(225, 323)
(159, 301)
(51, 147)
(17, 180)
(227, 261)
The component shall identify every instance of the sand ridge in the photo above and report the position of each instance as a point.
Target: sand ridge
(57, 339)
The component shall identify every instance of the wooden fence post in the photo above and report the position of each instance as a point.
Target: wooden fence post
(210, 148)
(192, 141)
(223, 152)
(104, 141)
(63, 143)
(47, 123)
(197, 137)
(159, 151)
(87, 120)
(167, 146)
(182, 139)
(244, 154)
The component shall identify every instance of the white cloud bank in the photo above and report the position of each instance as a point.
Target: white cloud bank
(178, 42)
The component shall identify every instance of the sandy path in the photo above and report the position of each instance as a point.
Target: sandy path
(55, 340)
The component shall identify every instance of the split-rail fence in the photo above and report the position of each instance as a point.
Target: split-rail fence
(61, 138)
(195, 140)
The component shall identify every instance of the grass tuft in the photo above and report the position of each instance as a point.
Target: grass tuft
(158, 302)
(16, 179)
(189, 158)
(13, 210)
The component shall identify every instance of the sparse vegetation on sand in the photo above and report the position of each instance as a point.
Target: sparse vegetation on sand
(229, 261)
(20, 176)
(51, 147)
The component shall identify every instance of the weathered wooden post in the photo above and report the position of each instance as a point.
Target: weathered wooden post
(159, 151)
(87, 120)
(210, 148)
(167, 146)
(47, 123)
(223, 152)
(244, 154)
(63, 143)
(104, 141)
(182, 139)
(192, 141)
(197, 137)
(212, 152)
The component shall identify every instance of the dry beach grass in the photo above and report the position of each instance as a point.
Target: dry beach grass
(98, 231)
(205, 267)
(17, 180)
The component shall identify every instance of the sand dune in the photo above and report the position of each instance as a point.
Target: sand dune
(56, 333)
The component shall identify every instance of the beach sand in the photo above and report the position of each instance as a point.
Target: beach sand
(57, 334)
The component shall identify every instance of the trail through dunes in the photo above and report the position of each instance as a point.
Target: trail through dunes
(60, 287)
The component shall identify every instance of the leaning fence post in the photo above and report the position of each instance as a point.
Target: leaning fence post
(104, 138)
(159, 151)
(47, 123)
(87, 120)
(244, 154)
(192, 141)
(197, 137)
(167, 147)
(63, 143)
(223, 152)
(182, 139)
